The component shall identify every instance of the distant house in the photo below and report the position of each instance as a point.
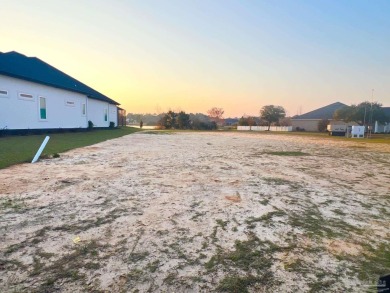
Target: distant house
(383, 127)
(231, 121)
(35, 95)
(309, 121)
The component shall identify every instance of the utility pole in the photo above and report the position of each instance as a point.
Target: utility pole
(372, 102)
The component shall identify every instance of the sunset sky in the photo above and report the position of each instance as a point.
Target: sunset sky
(192, 55)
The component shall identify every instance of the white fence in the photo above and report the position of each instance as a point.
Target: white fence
(265, 128)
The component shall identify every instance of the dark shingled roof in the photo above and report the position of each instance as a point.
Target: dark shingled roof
(32, 69)
(321, 113)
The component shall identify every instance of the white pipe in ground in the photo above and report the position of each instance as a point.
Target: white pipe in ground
(39, 152)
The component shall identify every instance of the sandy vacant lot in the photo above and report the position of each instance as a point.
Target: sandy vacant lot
(198, 212)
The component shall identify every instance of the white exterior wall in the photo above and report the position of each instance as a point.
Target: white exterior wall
(17, 113)
(113, 114)
(306, 124)
(96, 113)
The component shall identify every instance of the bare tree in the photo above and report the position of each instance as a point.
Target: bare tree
(286, 121)
(216, 115)
(247, 121)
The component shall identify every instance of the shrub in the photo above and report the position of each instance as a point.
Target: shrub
(204, 125)
(90, 124)
(3, 132)
(112, 124)
(322, 125)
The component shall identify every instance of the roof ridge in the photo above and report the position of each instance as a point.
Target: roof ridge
(325, 112)
(36, 70)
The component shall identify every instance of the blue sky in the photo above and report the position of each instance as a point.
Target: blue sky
(191, 55)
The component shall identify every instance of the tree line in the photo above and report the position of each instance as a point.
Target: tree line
(182, 120)
(269, 114)
(363, 113)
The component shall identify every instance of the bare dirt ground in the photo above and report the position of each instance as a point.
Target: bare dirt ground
(198, 212)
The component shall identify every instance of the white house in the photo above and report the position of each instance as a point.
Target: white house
(35, 95)
(383, 127)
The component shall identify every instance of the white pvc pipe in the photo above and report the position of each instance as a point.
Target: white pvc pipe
(39, 152)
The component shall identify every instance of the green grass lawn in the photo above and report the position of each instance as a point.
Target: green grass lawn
(20, 149)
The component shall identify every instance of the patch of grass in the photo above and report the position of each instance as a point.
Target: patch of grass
(21, 149)
(197, 215)
(14, 204)
(135, 275)
(369, 174)
(266, 217)
(295, 266)
(339, 212)
(195, 204)
(92, 223)
(316, 226)
(281, 181)
(254, 256)
(92, 265)
(31, 241)
(222, 223)
(69, 267)
(240, 284)
(138, 256)
(251, 255)
(170, 279)
(37, 266)
(312, 222)
(176, 247)
(46, 255)
(321, 286)
(15, 247)
(213, 234)
(264, 201)
(11, 265)
(153, 266)
(375, 261)
(288, 153)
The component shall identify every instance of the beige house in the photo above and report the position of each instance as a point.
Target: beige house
(309, 121)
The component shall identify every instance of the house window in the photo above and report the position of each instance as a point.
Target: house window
(27, 97)
(105, 115)
(42, 108)
(69, 103)
(3, 93)
(83, 109)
